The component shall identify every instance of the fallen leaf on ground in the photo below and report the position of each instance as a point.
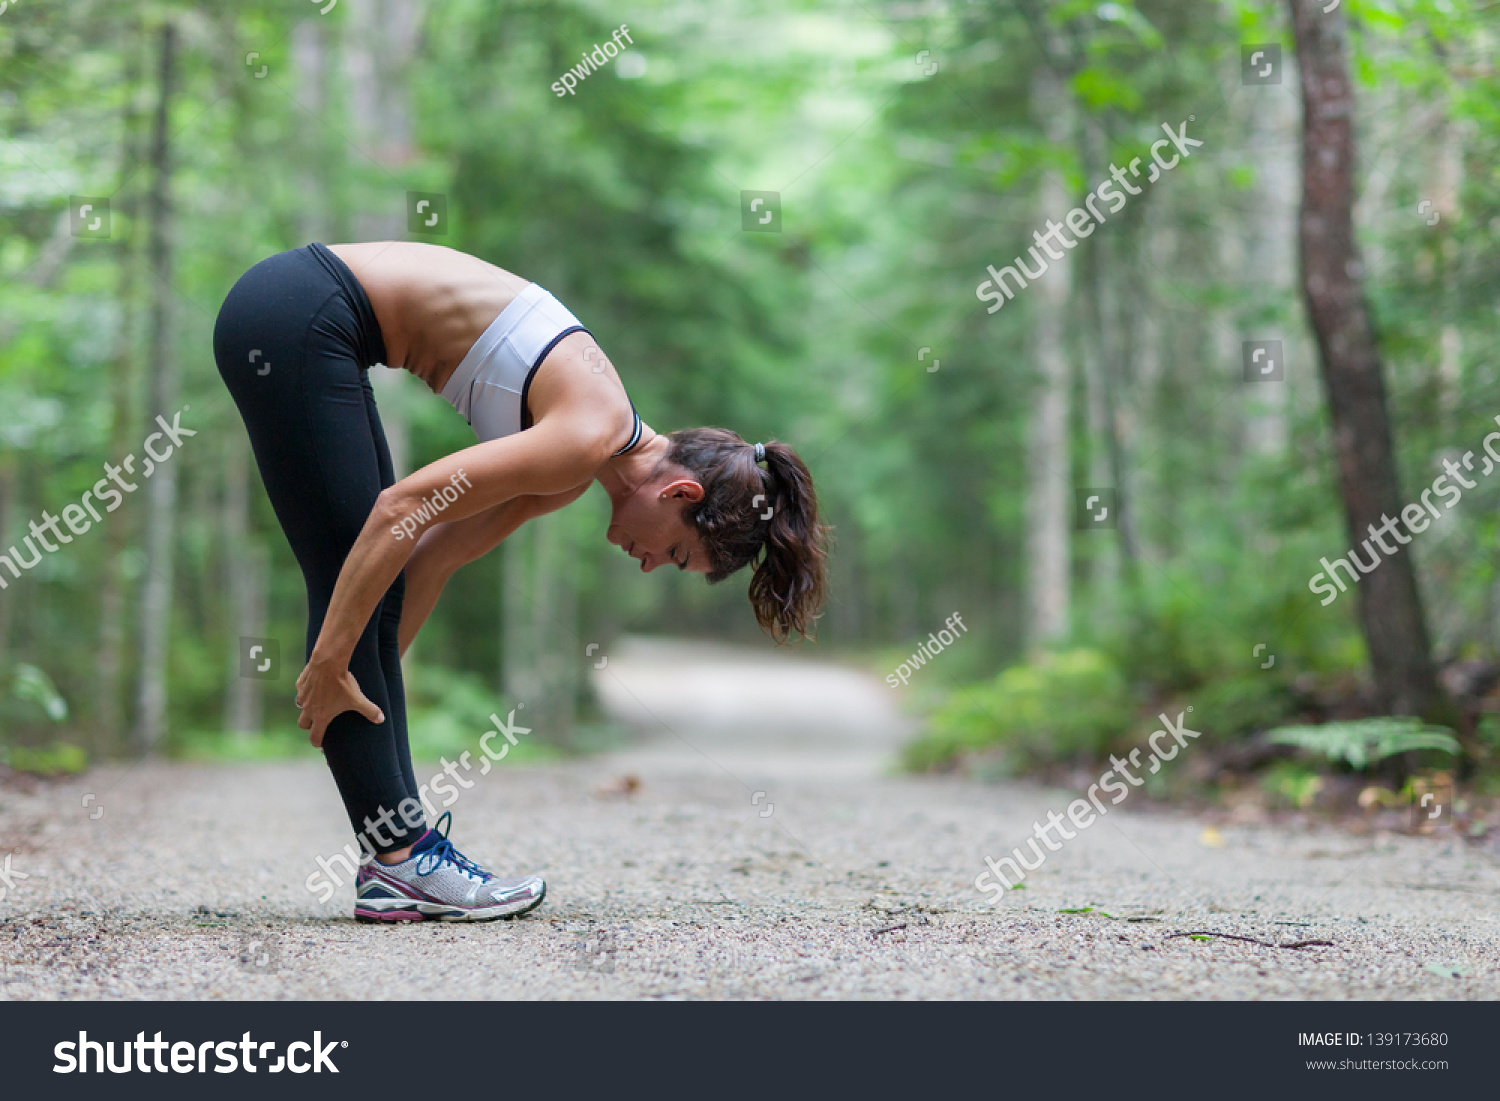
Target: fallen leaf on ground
(628, 784)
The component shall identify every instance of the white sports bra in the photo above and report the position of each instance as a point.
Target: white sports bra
(489, 386)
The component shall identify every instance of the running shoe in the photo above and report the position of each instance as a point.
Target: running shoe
(439, 883)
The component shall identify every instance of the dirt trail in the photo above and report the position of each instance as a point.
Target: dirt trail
(768, 852)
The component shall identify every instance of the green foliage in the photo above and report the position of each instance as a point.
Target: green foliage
(274, 743)
(30, 694)
(55, 759)
(448, 711)
(1098, 87)
(30, 710)
(1362, 742)
(898, 190)
(1066, 703)
(1488, 730)
(1292, 783)
(1241, 705)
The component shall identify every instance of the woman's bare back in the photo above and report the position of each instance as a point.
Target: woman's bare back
(432, 302)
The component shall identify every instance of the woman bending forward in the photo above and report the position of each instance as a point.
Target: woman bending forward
(293, 342)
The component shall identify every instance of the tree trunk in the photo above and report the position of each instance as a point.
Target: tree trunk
(1270, 261)
(541, 654)
(42, 272)
(1108, 367)
(7, 599)
(1049, 504)
(1445, 187)
(554, 624)
(1390, 609)
(245, 561)
(110, 715)
(382, 38)
(517, 645)
(316, 169)
(156, 610)
(245, 579)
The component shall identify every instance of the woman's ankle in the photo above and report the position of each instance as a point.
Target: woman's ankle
(396, 857)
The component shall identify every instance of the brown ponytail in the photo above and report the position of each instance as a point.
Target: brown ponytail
(768, 517)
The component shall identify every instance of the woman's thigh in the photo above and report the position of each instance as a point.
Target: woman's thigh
(282, 347)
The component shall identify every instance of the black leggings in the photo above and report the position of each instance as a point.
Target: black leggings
(293, 342)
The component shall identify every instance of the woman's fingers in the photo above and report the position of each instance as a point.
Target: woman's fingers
(302, 692)
(369, 710)
(356, 700)
(315, 727)
(321, 703)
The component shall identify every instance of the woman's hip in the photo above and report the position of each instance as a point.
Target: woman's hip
(290, 310)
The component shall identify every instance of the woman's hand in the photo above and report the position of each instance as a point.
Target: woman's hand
(557, 456)
(325, 690)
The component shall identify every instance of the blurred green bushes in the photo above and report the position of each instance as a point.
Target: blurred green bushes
(31, 714)
(448, 711)
(1064, 704)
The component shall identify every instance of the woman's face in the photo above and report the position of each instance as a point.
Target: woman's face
(648, 525)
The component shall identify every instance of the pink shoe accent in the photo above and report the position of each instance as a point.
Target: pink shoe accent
(389, 915)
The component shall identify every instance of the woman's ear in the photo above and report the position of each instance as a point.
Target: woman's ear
(683, 489)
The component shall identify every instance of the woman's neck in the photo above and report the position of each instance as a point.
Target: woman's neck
(623, 475)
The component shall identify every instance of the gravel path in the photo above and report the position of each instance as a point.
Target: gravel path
(767, 852)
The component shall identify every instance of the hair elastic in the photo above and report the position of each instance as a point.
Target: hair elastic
(760, 452)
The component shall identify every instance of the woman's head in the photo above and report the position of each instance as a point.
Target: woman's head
(710, 507)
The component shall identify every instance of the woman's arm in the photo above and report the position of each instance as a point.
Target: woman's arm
(558, 455)
(447, 547)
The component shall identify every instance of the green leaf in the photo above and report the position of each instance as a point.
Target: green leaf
(31, 683)
(1100, 87)
(1362, 742)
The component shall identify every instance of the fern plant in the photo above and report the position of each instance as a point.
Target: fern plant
(30, 703)
(28, 684)
(1362, 742)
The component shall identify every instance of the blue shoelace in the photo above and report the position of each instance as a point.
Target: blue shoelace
(444, 851)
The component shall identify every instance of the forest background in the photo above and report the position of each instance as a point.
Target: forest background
(962, 455)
